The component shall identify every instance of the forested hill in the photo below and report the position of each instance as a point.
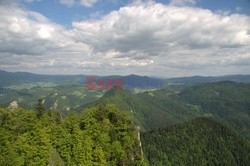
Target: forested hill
(150, 109)
(100, 136)
(228, 101)
(202, 141)
(104, 135)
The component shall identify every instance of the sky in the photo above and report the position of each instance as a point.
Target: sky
(167, 38)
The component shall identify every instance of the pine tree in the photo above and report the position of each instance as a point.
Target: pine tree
(40, 108)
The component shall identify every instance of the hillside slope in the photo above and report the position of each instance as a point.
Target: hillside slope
(150, 109)
(202, 141)
(228, 101)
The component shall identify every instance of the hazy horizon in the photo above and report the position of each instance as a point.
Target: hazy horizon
(154, 76)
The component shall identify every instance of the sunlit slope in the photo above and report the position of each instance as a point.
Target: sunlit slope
(150, 109)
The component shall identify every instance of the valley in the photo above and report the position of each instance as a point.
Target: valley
(194, 123)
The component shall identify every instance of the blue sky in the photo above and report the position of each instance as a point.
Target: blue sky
(64, 14)
(113, 37)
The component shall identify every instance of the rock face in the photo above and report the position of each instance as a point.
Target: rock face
(138, 128)
(13, 105)
(55, 105)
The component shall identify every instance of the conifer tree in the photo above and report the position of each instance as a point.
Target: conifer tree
(40, 108)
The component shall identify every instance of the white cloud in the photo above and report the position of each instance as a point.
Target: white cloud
(156, 30)
(87, 3)
(32, 41)
(141, 38)
(8, 2)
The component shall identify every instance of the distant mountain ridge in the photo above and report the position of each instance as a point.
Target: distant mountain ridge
(191, 79)
(9, 78)
(130, 81)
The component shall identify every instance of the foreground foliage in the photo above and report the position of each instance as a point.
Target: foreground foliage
(101, 135)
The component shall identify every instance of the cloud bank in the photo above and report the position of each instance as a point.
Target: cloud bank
(143, 38)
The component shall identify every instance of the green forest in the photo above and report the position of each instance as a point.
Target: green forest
(56, 124)
(202, 141)
(100, 135)
(124, 82)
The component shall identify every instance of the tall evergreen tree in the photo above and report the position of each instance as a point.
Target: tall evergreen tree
(40, 108)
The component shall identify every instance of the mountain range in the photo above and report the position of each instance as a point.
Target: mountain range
(186, 121)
